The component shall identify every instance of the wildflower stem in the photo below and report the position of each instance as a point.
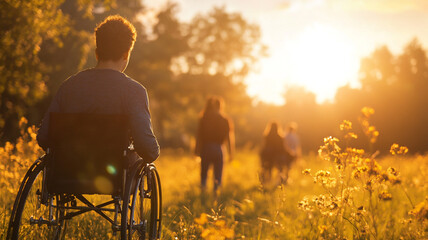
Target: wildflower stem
(372, 213)
(407, 195)
(352, 225)
(370, 230)
(259, 235)
(331, 194)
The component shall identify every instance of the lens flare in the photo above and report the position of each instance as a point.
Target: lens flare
(111, 169)
(103, 184)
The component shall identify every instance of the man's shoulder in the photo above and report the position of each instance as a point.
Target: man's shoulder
(134, 88)
(105, 74)
(134, 83)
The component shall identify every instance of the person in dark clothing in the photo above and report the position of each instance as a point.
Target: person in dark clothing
(273, 152)
(105, 89)
(214, 130)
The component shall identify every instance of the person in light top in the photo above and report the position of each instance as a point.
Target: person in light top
(293, 151)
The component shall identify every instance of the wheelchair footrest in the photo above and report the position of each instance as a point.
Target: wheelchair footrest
(42, 221)
(142, 227)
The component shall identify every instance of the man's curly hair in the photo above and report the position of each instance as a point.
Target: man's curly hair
(114, 37)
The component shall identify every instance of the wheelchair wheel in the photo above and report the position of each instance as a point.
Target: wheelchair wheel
(144, 206)
(32, 219)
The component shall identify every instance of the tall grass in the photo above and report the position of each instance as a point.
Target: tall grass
(348, 193)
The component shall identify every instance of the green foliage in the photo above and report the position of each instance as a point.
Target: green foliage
(150, 64)
(24, 26)
(222, 43)
(396, 87)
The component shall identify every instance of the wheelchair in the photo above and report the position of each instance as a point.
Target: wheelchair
(87, 157)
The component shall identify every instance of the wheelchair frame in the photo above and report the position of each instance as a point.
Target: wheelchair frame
(142, 182)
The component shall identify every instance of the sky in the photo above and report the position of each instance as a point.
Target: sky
(317, 44)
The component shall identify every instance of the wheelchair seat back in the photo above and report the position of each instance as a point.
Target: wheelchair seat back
(87, 153)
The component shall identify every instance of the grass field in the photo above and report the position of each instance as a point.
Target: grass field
(254, 212)
(378, 203)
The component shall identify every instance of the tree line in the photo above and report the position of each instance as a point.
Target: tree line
(395, 86)
(182, 63)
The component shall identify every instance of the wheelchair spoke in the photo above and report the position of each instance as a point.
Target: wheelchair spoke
(143, 218)
(34, 220)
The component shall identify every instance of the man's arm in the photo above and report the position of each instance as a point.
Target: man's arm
(42, 133)
(145, 142)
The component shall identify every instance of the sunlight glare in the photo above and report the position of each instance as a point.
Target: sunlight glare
(323, 61)
(320, 59)
(265, 88)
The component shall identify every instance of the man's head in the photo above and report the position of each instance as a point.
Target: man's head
(214, 104)
(115, 38)
(292, 127)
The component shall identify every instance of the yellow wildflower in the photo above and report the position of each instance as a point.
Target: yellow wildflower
(420, 212)
(23, 122)
(202, 219)
(351, 135)
(322, 228)
(220, 223)
(345, 125)
(398, 150)
(384, 195)
(306, 171)
(367, 111)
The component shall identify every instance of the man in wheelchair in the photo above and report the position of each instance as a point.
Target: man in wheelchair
(105, 89)
(98, 139)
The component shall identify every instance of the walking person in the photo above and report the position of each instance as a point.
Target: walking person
(214, 130)
(273, 152)
(292, 141)
(293, 150)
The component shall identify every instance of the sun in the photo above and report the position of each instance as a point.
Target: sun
(322, 61)
(319, 58)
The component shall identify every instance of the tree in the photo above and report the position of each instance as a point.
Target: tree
(24, 25)
(164, 63)
(377, 70)
(223, 47)
(151, 65)
(222, 43)
(395, 86)
(301, 107)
